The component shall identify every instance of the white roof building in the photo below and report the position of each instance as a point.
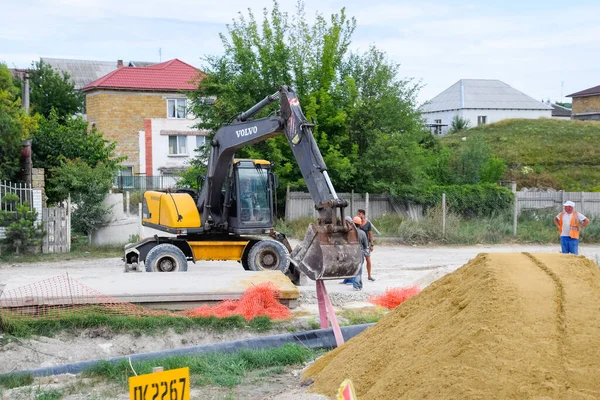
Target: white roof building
(480, 101)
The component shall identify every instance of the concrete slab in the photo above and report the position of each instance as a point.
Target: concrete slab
(159, 290)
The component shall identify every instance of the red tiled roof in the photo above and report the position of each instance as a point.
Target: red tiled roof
(586, 92)
(169, 75)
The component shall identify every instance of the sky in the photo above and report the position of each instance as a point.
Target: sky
(545, 49)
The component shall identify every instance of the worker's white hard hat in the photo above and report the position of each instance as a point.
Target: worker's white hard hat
(569, 203)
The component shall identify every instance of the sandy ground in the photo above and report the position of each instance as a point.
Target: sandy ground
(393, 266)
(505, 326)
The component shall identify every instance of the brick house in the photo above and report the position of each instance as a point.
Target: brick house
(145, 111)
(586, 104)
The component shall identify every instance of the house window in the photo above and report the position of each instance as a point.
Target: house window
(177, 145)
(438, 126)
(481, 120)
(200, 141)
(176, 108)
(124, 178)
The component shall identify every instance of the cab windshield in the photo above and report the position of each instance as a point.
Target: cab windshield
(254, 193)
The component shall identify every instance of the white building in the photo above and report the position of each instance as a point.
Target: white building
(167, 145)
(480, 101)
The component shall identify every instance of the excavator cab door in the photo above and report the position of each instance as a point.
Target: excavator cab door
(252, 197)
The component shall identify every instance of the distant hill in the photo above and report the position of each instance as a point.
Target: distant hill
(543, 152)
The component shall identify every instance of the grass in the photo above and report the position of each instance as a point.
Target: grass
(37, 393)
(562, 153)
(80, 249)
(313, 324)
(48, 394)
(296, 228)
(93, 317)
(532, 227)
(211, 369)
(13, 381)
(388, 224)
(221, 369)
(367, 315)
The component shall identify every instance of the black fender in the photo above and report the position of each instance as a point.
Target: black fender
(137, 252)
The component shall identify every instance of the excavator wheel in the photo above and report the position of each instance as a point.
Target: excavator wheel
(244, 260)
(268, 255)
(166, 258)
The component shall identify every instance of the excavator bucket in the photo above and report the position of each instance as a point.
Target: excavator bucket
(329, 253)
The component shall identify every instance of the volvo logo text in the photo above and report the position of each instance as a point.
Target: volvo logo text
(246, 131)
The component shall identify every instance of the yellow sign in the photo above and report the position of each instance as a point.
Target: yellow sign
(167, 385)
(346, 391)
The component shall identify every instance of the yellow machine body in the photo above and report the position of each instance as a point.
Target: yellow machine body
(218, 250)
(163, 211)
(170, 212)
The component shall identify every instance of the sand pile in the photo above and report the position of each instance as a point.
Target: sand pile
(504, 326)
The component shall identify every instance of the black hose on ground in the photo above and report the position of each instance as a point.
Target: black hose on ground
(316, 339)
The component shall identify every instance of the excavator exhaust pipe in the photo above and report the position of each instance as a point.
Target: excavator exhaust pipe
(329, 252)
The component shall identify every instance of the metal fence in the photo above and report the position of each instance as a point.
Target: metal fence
(23, 191)
(143, 182)
(300, 204)
(587, 203)
(55, 221)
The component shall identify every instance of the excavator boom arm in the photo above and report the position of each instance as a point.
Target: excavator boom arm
(330, 248)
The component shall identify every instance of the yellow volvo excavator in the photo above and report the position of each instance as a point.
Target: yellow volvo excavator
(232, 214)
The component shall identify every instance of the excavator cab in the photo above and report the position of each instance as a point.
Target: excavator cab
(251, 205)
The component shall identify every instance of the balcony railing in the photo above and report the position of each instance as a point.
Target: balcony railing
(142, 182)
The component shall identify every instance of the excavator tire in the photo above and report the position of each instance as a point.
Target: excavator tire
(268, 255)
(166, 258)
(244, 260)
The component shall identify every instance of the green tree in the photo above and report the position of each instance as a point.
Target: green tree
(21, 229)
(57, 141)
(381, 113)
(472, 158)
(53, 90)
(492, 170)
(356, 100)
(459, 124)
(11, 129)
(88, 187)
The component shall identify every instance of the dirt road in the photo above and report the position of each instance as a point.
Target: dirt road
(393, 266)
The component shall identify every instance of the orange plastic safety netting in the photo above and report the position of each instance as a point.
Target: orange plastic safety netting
(260, 300)
(61, 295)
(393, 297)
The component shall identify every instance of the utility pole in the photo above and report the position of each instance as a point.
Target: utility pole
(159, 54)
(25, 92)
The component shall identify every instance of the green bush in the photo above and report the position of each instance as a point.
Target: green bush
(88, 187)
(388, 224)
(296, 228)
(22, 232)
(429, 229)
(466, 200)
(459, 124)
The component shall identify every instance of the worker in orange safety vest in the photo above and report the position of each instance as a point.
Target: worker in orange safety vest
(569, 223)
